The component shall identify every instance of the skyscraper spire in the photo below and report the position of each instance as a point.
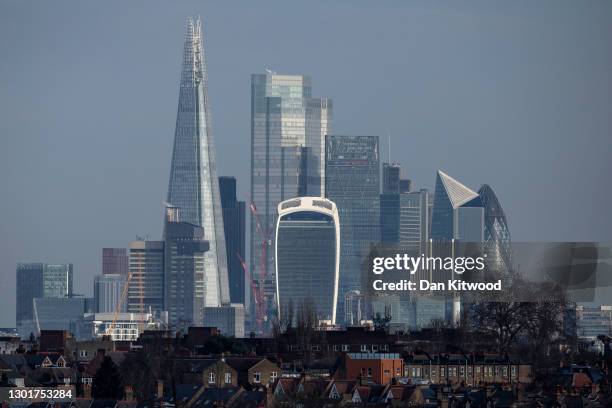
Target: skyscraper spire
(193, 185)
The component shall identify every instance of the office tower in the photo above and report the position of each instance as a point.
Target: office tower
(457, 212)
(307, 254)
(234, 227)
(228, 319)
(57, 280)
(114, 261)
(389, 218)
(146, 286)
(352, 182)
(60, 313)
(497, 243)
(354, 308)
(288, 127)
(185, 284)
(391, 178)
(193, 185)
(405, 185)
(592, 321)
(38, 280)
(108, 289)
(414, 220)
(29, 279)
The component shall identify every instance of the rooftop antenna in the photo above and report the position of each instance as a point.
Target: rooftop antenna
(389, 146)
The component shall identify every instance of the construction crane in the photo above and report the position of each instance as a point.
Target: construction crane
(257, 295)
(263, 267)
(124, 292)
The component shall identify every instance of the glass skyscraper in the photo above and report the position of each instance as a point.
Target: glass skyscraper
(497, 243)
(193, 186)
(184, 277)
(307, 256)
(146, 286)
(234, 213)
(288, 128)
(114, 261)
(108, 289)
(457, 211)
(352, 181)
(39, 280)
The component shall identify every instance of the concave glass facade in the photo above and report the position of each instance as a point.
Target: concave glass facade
(307, 238)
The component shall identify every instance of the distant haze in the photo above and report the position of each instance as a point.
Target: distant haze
(514, 94)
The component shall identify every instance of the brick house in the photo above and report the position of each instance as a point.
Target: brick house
(379, 368)
(254, 371)
(470, 369)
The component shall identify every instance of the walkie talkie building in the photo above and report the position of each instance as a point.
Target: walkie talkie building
(193, 185)
(307, 253)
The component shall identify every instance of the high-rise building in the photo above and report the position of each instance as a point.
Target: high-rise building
(391, 178)
(288, 127)
(457, 215)
(389, 218)
(108, 289)
(593, 321)
(39, 280)
(352, 181)
(146, 286)
(29, 286)
(497, 242)
(414, 220)
(59, 313)
(114, 261)
(234, 225)
(457, 212)
(307, 256)
(405, 185)
(193, 185)
(185, 294)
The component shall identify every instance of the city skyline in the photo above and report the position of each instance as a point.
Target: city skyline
(52, 240)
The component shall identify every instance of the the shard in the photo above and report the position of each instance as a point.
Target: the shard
(193, 185)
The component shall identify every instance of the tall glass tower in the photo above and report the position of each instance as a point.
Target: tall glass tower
(308, 256)
(288, 128)
(497, 241)
(194, 186)
(352, 181)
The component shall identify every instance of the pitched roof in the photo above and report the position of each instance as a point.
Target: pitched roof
(458, 193)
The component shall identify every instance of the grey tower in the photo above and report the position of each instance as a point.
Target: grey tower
(194, 186)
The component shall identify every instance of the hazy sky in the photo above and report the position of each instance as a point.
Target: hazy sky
(514, 94)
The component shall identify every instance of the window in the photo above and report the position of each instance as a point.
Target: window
(369, 372)
(336, 347)
(257, 377)
(83, 353)
(397, 372)
(387, 372)
(364, 347)
(462, 371)
(273, 376)
(374, 347)
(384, 347)
(345, 347)
(211, 378)
(363, 371)
(442, 372)
(315, 348)
(513, 371)
(228, 378)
